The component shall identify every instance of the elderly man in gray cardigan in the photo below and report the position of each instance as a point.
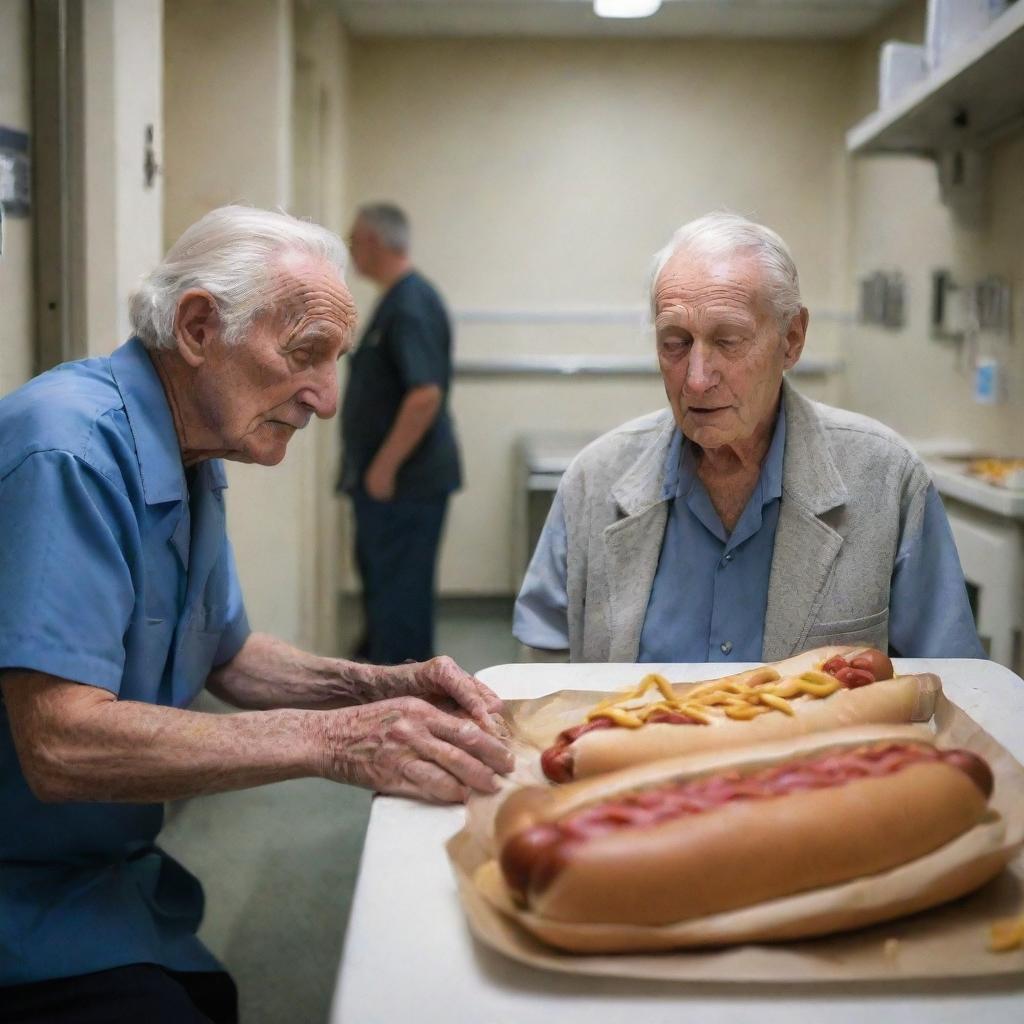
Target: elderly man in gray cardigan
(744, 522)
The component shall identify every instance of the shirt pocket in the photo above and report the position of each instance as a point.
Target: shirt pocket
(209, 614)
(147, 654)
(193, 663)
(869, 630)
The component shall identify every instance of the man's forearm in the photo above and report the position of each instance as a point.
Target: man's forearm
(269, 673)
(415, 416)
(99, 748)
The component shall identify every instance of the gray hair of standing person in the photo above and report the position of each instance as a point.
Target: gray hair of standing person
(233, 252)
(388, 222)
(723, 234)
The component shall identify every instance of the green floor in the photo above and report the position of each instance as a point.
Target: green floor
(278, 863)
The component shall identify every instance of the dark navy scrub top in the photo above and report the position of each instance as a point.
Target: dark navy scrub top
(407, 344)
(115, 571)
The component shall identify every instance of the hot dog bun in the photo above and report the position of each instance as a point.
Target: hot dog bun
(629, 889)
(891, 701)
(897, 700)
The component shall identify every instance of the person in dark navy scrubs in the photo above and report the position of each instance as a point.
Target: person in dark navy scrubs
(401, 457)
(119, 602)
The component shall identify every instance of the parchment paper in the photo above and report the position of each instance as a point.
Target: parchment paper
(947, 941)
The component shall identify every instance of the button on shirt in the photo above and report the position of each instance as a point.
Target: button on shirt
(115, 572)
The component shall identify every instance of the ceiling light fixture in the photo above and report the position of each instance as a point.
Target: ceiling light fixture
(625, 8)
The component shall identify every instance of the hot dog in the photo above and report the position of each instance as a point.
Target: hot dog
(823, 689)
(689, 838)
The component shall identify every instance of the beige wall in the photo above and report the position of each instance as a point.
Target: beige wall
(320, 169)
(122, 49)
(120, 216)
(138, 88)
(227, 116)
(16, 288)
(542, 175)
(230, 120)
(227, 106)
(922, 387)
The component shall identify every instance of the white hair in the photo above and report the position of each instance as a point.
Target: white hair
(721, 234)
(232, 252)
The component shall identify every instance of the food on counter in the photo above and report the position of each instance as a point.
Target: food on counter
(1000, 472)
(822, 689)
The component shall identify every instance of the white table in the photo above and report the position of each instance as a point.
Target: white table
(409, 955)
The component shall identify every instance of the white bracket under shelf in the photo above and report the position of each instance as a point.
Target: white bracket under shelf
(953, 116)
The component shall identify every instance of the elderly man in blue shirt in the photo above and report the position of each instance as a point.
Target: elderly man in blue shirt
(744, 522)
(119, 601)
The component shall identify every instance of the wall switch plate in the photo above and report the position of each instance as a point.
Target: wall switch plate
(947, 320)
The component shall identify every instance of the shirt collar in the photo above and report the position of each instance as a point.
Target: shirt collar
(149, 416)
(771, 468)
(675, 471)
(681, 464)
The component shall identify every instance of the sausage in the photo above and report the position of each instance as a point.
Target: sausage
(860, 667)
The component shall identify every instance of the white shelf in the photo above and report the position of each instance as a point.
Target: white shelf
(973, 98)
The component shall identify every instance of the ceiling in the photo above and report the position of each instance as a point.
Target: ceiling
(764, 19)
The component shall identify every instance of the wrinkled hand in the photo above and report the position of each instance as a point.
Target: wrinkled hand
(442, 682)
(379, 482)
(409, 747)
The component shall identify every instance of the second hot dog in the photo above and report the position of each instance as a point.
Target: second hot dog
(823, 689)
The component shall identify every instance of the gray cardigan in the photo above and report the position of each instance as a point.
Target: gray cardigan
(851, 488)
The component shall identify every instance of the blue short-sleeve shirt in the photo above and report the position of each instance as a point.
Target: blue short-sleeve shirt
(115, 572)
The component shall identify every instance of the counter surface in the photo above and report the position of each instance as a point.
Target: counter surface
(409, 955)
(952, 482)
